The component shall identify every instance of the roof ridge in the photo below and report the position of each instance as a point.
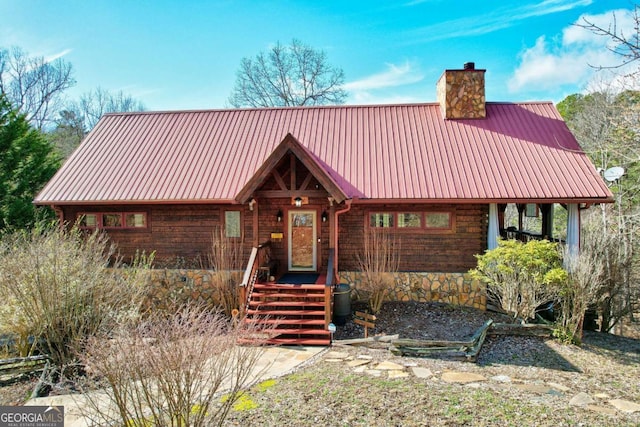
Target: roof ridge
(307, 107)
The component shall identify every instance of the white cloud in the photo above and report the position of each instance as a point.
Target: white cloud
(570, 59)
(498, 19)
(394, 75)
(58, 55)
(370, 89)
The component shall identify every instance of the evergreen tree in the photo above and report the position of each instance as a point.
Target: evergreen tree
(27, 162)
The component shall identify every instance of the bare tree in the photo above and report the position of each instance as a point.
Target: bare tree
(624, 45)
(79, 117)
(94, 104)
(291, 75)
(606, 124)
(34, 85)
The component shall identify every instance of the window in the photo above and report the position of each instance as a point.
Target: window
(88, 220)
(383, 220)
(409, 220)
(531, 210)
(232, 224)
(112, 220)
(135, 220)
(437, 220)
(427, 221)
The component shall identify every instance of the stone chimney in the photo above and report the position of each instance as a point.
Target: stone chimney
(461, 93)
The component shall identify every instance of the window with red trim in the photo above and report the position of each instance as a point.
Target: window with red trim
(428, 221)
(112, 220)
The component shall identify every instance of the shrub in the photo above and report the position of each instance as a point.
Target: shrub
(226, 258)
(57, 289)
(521, 276)
(170, 371)
(377, 262)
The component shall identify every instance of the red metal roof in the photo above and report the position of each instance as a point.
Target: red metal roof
(521, 151)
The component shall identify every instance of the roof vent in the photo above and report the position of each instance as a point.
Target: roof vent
(469, 66)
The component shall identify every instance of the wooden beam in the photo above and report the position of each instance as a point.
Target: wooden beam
(292, 161)
(269, 194)
(306, 181)
(279, 180)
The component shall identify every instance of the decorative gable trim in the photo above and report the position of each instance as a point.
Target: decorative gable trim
(291, 144)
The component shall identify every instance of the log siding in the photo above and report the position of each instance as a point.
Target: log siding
(181, 234)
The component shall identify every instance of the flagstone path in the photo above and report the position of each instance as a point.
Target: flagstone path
(366, 365)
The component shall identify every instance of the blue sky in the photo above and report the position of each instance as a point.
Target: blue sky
(184, 54)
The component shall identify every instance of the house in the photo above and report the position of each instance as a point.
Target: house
(312, 181)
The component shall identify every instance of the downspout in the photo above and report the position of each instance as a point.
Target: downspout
(253, 207)
(335, 231)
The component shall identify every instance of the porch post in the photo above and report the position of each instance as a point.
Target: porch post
(547, 220)
(573, 228)
(492, 231)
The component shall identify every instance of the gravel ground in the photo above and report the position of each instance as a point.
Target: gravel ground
(529, 381)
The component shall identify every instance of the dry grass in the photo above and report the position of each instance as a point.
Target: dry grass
(333, 394)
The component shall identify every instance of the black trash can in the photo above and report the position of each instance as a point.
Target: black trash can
(341, 304)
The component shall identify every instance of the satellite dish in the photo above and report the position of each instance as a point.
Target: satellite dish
(614, 173)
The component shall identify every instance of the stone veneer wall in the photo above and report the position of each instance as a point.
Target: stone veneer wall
(451, 288)
(169, 287)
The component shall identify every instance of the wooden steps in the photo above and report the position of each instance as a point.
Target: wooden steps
(296, 312)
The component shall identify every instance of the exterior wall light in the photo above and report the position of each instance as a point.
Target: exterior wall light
(279, 215)
(298, 201)
(324, 216)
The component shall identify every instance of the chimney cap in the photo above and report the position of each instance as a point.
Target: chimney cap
(469, 66)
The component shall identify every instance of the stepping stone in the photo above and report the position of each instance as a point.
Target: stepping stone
(501, 378)
(357, 362)
(397, 374)
(601, 409)
(535, 388)
(389, 366)
(625, 406)
(423, 373)
(473, 385)
(462, 377)
(365, 357)
(559, 387)
(336, 355)
(360, 369)
(373, 372)
(581, 399)
(602, 395)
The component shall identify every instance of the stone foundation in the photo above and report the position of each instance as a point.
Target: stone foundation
(170, 287)
(450, 288)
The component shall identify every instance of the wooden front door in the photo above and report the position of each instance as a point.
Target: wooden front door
(302, 240)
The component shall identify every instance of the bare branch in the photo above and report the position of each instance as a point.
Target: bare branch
(33, 84)
(626, 46)
(288, 76)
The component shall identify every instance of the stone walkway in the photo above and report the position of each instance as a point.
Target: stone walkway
(598, 402)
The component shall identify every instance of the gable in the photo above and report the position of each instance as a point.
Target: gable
(275, 167)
